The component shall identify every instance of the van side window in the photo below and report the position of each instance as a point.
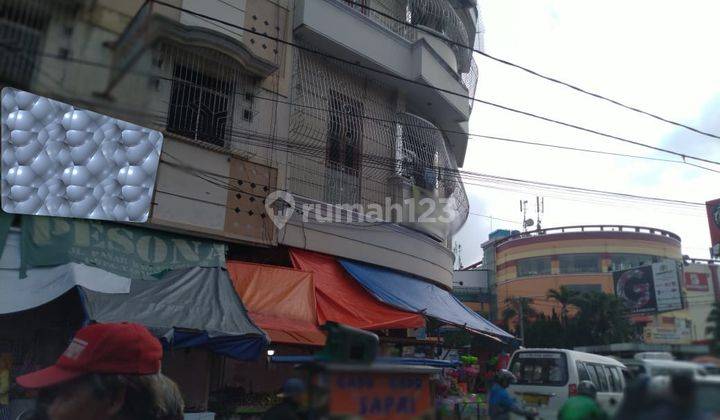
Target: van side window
(593, 375)
(582, 372)
(612, 386)
(615, 371)
(603, 383)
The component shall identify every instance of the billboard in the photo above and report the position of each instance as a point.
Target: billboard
(60, 160)
(649, 288)
(713, 215)
(697, 282)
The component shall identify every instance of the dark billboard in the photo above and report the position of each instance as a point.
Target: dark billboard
(650, 288)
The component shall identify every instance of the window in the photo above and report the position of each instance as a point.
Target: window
(602, 384)
(625, 261)
(344, 146)
(540, 368)
(582, 372)
(593, 376)
(611, 379)
(618, 378)
(579, 263)
(419, 157)
(23, 26)
(200, 104)
(533, 267)
(585, 288)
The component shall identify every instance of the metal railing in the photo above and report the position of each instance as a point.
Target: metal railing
(470, 80)
(431, 166)
(436, 15)
(591, 228)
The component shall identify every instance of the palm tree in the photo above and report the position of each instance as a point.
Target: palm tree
(565, 297)
(713, 328)
(514, 305)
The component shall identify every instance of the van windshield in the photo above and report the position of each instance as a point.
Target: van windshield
(540, 368)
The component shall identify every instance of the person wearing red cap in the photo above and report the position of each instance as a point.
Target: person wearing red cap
(109, 371)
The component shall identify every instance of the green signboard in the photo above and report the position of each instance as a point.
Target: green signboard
(124, 250)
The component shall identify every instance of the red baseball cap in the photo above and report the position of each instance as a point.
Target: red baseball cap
(101, 348)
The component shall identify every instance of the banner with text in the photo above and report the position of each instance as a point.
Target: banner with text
(650, 288)
(124, 250)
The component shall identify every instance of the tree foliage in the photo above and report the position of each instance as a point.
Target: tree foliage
(600, 319)
(713, 328)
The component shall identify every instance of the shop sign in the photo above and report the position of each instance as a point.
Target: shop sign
(697, 282)
(380, 395)
(121, 249)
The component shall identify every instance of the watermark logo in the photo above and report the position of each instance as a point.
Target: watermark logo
(279, 206)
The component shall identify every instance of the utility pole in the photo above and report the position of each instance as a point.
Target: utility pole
(522, 321)
(520, 301)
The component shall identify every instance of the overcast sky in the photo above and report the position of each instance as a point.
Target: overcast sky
(660, 56)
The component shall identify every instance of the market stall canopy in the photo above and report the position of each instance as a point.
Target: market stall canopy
(279, 300)
(342, 299)
(187, 308)
(408, 293)
(43, 285)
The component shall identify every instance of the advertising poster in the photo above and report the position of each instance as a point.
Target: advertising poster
(649, 288)
(696, 282)
(713, 215)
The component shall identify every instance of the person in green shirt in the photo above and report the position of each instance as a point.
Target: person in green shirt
(583, 406)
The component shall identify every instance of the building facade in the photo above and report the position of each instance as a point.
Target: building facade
(335, 102)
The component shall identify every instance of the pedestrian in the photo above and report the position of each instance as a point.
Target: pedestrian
(108, 372)
(5, 366)
(583, 406)
(500, 403)
(291, 402)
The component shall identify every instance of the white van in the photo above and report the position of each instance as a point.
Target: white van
(547, 377)
(663, 367)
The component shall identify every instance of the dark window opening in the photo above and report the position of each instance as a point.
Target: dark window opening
(579, 263)
(22, 31)
(200, 106)
(534, 267)
(344, 147)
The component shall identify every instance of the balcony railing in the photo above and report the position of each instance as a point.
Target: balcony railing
(435, 15)
(592, 228)
(425, 160)
(470, 80)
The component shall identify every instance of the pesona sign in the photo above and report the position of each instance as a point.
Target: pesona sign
(121, 249)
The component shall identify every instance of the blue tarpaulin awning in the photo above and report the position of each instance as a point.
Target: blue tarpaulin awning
(408, 293)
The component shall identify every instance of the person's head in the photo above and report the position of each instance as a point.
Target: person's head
(109, 371)
(294, 390)
(683, 389)
(504, 378)
(6, 361)
(587, 389)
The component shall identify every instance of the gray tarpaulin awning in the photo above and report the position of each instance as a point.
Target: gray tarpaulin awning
(189, 307)
(43, 285)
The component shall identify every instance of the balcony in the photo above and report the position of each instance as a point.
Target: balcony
(359, 35)
(154, 24)
(425, 171)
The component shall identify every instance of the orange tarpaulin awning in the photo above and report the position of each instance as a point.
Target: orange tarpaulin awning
(341, 299)
(281, 301)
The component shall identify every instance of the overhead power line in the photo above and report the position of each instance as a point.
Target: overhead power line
(534, 72)
(377, 119)
(419, 83)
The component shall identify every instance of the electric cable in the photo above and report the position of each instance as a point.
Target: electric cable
(534, 72)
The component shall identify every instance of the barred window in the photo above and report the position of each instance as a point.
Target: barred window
(344, 146)
(22, 30)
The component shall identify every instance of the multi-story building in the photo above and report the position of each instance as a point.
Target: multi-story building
(336, 102)
(583, 258)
